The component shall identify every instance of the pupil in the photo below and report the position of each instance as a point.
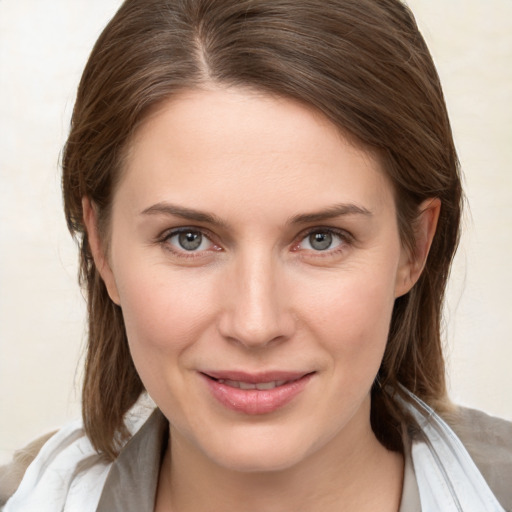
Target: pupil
(320, 241)
(190, 240)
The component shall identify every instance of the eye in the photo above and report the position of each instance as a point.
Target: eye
(189, 240)
(322, 240)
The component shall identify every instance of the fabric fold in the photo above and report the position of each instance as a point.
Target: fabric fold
(448, 479)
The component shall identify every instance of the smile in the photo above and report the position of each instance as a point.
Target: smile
(255, 394)
(248, 385)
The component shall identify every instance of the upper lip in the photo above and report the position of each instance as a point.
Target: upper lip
(255, 378)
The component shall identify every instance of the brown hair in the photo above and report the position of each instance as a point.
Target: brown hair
(362, 63)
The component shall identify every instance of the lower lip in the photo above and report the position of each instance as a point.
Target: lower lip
(255, 401)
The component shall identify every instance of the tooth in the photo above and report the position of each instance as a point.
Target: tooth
(247, 385)
(232, 383)
(266, 385)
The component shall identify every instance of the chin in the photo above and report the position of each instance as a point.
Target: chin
(261, 461)
(256, 450)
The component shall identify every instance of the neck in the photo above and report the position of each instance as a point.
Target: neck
(351, 472)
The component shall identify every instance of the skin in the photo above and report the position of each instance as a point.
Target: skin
(258, 294)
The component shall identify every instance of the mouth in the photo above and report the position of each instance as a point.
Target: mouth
(249, 385)
(256, 393)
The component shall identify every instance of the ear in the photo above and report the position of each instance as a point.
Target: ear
(413, 261)
(97, 249)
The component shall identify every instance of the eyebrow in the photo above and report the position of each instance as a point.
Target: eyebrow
(338, 210)
(165, 208)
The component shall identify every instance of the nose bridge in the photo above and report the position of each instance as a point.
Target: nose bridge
(256, 311)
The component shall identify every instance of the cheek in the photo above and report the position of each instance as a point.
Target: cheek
(354, 303)
(163, 311)
(164, 317)
(351, 318)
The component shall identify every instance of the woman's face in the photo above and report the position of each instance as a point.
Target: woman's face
(255, 255)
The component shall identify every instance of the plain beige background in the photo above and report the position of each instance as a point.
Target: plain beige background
(43, 48)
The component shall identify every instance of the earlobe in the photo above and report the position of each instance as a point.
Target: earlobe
(413, 261)
(97, 249)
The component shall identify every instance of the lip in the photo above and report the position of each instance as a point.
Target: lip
(255, 401)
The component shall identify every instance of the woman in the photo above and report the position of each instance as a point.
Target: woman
(267, 200)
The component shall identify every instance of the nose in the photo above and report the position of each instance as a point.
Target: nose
(257, 307)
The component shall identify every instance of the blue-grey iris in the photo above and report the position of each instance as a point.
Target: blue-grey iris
(320, 241)
(190, 240)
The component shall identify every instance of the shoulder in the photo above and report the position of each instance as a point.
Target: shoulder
(62, 470)
(489, 442)
(11, 474)
(55, 471)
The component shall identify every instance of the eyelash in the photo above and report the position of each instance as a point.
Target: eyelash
(345, 239)
(168, 235)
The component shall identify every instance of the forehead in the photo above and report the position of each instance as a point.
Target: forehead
(250, 148)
